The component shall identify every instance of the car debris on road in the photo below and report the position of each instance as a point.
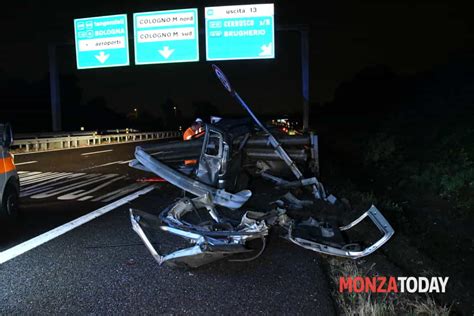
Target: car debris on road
(215, 223)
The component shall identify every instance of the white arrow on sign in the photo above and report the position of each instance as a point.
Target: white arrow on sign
(102, 57)
(266, 50)
(166, 52)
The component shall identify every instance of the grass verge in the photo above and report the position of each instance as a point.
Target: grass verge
(377, 303)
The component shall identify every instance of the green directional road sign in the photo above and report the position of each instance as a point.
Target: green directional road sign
(101, 41)
(166, 36)
(240, 32)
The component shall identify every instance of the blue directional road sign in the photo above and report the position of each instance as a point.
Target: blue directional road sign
(240, 32)
(166, 36)
(101, 41)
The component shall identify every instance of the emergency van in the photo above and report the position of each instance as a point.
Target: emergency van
(9, 181)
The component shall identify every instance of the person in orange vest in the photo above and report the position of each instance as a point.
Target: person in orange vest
(194, 131)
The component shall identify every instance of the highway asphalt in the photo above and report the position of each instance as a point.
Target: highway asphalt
(59, 186)
(102, 267)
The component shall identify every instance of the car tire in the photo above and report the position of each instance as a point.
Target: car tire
(9, 207)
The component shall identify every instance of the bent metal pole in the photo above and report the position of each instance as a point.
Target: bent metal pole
(317, 188)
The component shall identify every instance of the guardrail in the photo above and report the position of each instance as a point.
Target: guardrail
(19, 136)
(39, 144)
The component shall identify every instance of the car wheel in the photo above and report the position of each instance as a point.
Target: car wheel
(10, 203)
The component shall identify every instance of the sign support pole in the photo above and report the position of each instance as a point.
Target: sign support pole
(54, 89)
(303, 30)
(305, 75)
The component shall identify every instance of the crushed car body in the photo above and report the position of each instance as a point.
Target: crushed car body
(211, 236)
(215, 223)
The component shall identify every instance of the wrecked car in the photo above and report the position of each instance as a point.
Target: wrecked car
(214, 222)
(211, 235)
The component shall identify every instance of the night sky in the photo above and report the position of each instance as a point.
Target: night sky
(409, 38)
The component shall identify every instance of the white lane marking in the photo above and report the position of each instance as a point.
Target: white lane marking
(37, 188)
(41, 186)
(28, 177)
(103, 165)
(97, 152)
(133, 185)
(22, 172)
(25, 163)
(81, 184)
(123, 192)
(24, 183)
(43, 180)
(67, 186)
(75, 195)
(39, 175)
(29, 174)
(120, 162)
(55, 187)
(58, 231)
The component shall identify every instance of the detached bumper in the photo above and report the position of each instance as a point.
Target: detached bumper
(343, 250)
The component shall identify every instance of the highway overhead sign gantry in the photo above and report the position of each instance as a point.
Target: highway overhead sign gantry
(240, 32)
(170, 36)
(101, 41)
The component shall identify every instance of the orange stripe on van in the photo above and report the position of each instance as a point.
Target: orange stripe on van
(6, 164)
